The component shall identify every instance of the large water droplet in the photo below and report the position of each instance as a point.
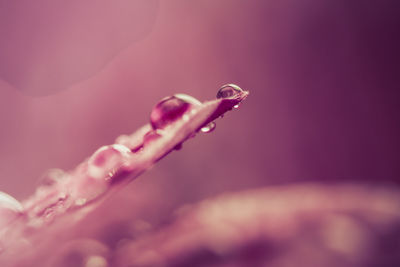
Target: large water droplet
(106, 160)
(170, 109)
(229, 91)
(209, 127)
(10, 209)
(94, 177)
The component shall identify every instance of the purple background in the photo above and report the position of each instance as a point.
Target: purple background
(323, 77)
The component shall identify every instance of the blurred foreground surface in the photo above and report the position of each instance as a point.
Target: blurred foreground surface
(299, 225)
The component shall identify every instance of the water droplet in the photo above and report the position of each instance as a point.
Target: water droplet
(94, 177)
(170, 109)
(178, 146)
(52, 177)
(151, 136)
(107, 159)
(229, 91)
(107, 154)
(236, 106)
(10, 209)
(209, 127)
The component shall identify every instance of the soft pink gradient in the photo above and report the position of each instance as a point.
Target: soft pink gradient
(322, 76)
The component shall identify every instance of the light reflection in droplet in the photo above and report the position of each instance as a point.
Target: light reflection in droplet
(229, 91)
(209, 127)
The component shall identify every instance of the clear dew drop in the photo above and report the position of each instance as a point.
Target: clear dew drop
(52, 177)
(170, 109)
(209, 127)
(229, 91)
(94, 177)
(106, 160)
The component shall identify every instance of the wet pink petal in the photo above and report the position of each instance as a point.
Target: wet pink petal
(64, 198)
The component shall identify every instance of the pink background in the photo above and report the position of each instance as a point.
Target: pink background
(323, 78)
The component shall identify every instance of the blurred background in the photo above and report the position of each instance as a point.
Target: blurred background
(323, 77)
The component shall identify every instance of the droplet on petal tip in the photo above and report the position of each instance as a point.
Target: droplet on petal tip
(229, 91)
(170, 109)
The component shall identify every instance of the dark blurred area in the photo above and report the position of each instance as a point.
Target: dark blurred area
(323, 77)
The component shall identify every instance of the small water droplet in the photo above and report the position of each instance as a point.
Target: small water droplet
(178, 146)
(209, 127)
(105, 155)
(236, 106)
(229, 91)
(10, 209)
(52, 177)
(151, 136)
(170, 109)
(95, 176)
